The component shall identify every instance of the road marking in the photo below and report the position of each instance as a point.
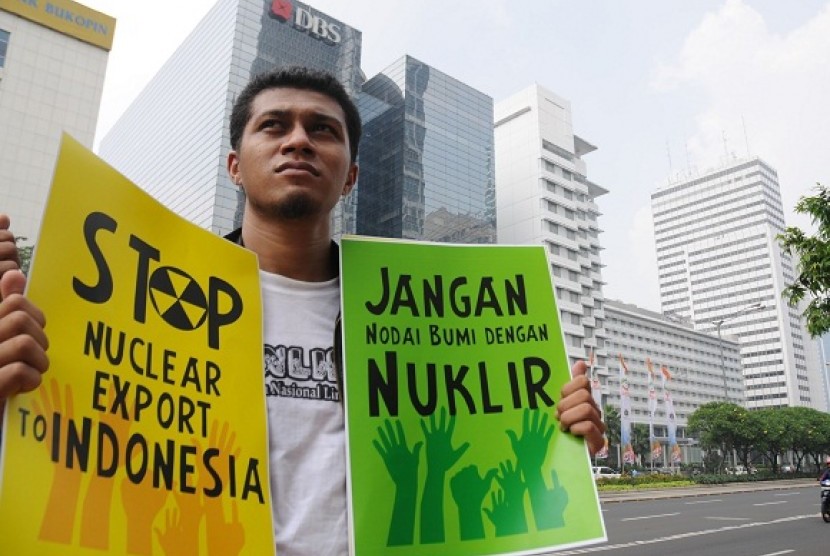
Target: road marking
(704, 501)
(728, 518)
(784, 493)
(779, 553)
(648, 516)
(725, 528)
(771, 503)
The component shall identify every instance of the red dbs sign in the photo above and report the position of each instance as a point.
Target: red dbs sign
(282, 9)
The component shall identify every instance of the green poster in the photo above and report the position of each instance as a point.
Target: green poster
(454, 361)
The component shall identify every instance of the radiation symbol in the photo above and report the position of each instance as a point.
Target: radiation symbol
(177, 298)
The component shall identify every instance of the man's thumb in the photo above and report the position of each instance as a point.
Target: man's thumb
(13, 281)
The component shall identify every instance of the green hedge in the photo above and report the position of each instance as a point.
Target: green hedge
(712, 479)
(644, 479)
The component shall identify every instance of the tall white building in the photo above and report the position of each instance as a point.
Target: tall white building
(720, 265)
(543, 196)
(53, 57)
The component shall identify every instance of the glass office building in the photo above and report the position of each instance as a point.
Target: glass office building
(426, 157)
(173, 140)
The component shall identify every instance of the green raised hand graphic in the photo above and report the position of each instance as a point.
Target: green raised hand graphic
(440, 458)
(469, 490)
(556, 500)
(510, 481)
(402, 466)
(531, 449)
(507, 510)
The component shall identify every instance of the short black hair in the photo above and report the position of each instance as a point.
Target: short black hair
(295, 77)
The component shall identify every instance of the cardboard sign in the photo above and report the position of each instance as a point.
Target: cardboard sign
(454, 365)
(148, 434)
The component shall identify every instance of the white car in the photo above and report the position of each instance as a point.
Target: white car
(740, 470)
(605, 473)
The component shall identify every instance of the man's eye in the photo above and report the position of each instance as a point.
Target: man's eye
(267, 124)
(325, 128)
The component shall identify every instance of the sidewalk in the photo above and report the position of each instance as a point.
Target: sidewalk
(702, 490)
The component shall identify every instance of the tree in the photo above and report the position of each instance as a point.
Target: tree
(804, 424)
(775, 436)
(821, 436)
(611, 416)
(813, 254)
(723, 426)
(641, 442)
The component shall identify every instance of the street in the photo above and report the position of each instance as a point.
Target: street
(756, 523)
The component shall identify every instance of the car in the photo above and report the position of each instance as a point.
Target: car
(740, 470)
(603, 472)
(787, 468)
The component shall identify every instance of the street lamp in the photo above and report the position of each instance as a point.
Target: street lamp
(718, 324)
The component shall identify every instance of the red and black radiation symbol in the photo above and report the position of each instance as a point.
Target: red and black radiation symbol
(177, 298)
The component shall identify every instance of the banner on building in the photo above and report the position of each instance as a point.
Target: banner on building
(625, 414)
(596, 393)
(655, 446)
(454, 364)
(671, 418)
(148, 435)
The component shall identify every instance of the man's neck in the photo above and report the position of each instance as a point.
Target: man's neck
(297, 250)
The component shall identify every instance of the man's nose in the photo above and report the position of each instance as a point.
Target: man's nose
(297, 139)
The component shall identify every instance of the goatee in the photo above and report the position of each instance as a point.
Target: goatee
(295, 207)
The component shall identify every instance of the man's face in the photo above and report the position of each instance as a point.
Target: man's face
(293, 159)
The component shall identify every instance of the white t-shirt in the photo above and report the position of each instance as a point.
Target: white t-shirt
(305, 416)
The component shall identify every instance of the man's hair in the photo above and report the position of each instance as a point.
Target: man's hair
(295, 77)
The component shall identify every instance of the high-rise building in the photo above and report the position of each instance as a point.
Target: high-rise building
(426, 157)
(720, 265)
(53, 57)
(544, 196)
(702, 368)
(173, 139)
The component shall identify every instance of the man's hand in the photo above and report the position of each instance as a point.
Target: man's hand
(23, 341)
(9, 258)
(577, 412)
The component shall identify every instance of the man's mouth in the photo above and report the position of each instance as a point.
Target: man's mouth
(297, 166)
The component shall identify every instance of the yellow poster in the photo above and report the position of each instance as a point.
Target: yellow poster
(148, 434)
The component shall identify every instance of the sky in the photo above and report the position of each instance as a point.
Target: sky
(664, 88)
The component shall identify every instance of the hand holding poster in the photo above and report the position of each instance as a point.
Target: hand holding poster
(148, 434)
(454, 365)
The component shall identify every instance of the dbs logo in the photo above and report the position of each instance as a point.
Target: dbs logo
(282, 9)
(303, 20)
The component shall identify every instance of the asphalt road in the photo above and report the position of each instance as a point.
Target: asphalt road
(757, 523)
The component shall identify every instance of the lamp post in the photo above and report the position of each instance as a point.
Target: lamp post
(718, 324)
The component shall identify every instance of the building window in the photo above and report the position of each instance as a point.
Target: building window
(4, 45)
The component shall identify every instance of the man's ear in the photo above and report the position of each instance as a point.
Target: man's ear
(233, 168)
(351, 179)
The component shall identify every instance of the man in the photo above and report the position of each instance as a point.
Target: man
(294, 140)
(826, 473)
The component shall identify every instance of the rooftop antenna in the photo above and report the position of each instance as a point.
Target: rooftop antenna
(668, 153)
(746, 138)
(725, 144)
(688, 163)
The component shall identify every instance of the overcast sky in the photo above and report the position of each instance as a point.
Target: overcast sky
(663, 88)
